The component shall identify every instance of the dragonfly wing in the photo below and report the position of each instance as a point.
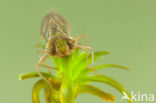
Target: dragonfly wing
(61, 21)
(52, 24)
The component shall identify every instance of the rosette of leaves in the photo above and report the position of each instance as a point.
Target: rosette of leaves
(73, 79)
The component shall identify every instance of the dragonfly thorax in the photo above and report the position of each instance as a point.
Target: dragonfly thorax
(61, 45)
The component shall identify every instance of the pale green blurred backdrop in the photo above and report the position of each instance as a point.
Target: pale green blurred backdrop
(126, 28)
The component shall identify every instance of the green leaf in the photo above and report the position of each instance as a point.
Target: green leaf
(67, 92)
(75, 53)
(82, 56)
(79, 64)
(111, 65)
(95, 91)
(32, 75)
(85, 71)
(106, 80)
(51, 94)
(101, 53)
(36, 90)
(47, 95)
(98, 54)
(64, 65)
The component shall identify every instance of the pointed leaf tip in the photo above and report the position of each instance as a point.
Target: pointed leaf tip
(106, 80)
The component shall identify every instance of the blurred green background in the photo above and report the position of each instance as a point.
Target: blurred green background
(126, 28)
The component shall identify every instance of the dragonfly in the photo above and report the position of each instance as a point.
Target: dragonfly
(59, 43)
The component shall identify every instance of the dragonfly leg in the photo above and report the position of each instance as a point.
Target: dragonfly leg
(39, 45)
(85, 43)
(92, 54)
(42, 59)
(49, 67)
(83, 37)
(40, 52)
